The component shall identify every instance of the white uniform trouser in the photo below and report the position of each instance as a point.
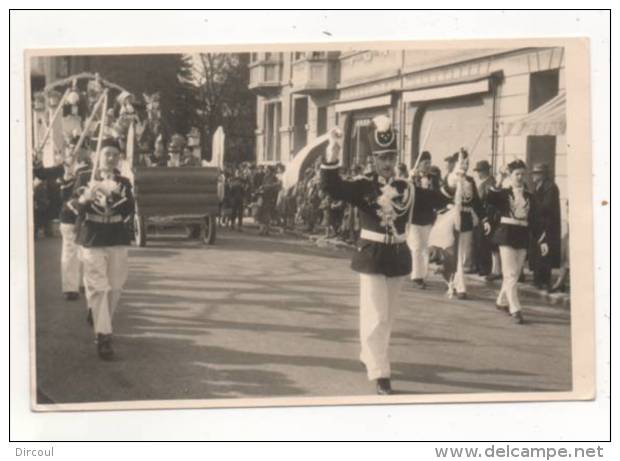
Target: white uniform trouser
(378, 303)
(496, 266)
(105, 273)
(70, 264)
(465, 243)
(417, 239)
(512, 263)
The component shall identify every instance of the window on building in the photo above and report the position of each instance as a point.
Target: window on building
(318, 54)
(272, 122)
(268, 56)
(544, 86)
(359, 145)
(299, 55)
(253, 57)
(321, 122)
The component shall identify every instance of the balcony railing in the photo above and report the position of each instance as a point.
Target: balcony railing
(265, 76)
(314, 75)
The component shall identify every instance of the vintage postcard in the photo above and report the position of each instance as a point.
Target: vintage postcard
(352, 223)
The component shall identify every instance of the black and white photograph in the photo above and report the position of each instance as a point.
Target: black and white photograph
(299, 224)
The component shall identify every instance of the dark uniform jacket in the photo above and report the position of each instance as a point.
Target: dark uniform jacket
(515, 216)
(391, 257)
(66, 187)
(470, 203)
(548, 220)
(104, 221)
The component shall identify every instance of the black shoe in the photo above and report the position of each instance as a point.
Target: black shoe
(384, 386)
(504, 309)
(89, 317)
(517, 318)
(461, 295)
(492, 277)
(71, 295)
(420, 283)
(104, 346)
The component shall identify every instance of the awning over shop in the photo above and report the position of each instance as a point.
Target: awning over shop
(548, 120)
(447, 91)
(376, 101)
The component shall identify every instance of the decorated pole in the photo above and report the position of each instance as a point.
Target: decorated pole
(89, 121)
(48, 130)
(104, 111)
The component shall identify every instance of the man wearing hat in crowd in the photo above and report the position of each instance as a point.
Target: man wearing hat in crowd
(423, 217)
(548, 227)
(105, 207)
(483, 247)
(382, 259)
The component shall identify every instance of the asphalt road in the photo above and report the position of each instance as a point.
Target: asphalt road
(277, 316)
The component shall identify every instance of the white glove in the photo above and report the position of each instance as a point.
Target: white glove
(544, 249)
(89, 193)
(487, 228)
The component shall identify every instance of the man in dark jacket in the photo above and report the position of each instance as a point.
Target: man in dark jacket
(104, 208)
(482, 243)
(547, 225)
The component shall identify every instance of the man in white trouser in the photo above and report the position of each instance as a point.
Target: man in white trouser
(516, 208)
(64, 175)
(421, 224)
(471, 211)
(382, 259)
(105, 207)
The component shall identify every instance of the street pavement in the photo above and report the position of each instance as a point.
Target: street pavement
(278, 316)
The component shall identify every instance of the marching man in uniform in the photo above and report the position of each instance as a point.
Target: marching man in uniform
(104, 208)
(382, 259)
(422, 222)
(516, 209)
(460, 190)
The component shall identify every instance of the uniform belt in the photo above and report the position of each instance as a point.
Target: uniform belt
(514, 221)
(382, 238)
(449, 206)
(104, 219)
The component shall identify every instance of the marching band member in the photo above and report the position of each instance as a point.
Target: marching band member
(105, 206)
(422, 221)
(460, 190)
(515, 206)
(65, 175)
(382, 259)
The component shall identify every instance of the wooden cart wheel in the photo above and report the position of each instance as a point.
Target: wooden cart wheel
(208, 230)
(139, 229)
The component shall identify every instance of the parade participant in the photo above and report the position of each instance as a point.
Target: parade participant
(460, 190)
(548, 227)
(516, 208)
(65, 175)
(382, 257)
(175, 148)
(104, 207)
(482, 245)
(159, 156)
(422, 222)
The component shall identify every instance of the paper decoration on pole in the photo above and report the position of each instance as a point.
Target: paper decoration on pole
(304, 158)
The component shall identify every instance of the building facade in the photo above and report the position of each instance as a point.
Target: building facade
(438, 100)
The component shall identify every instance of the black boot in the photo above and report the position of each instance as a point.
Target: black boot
(104, 346)
(384, 386)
